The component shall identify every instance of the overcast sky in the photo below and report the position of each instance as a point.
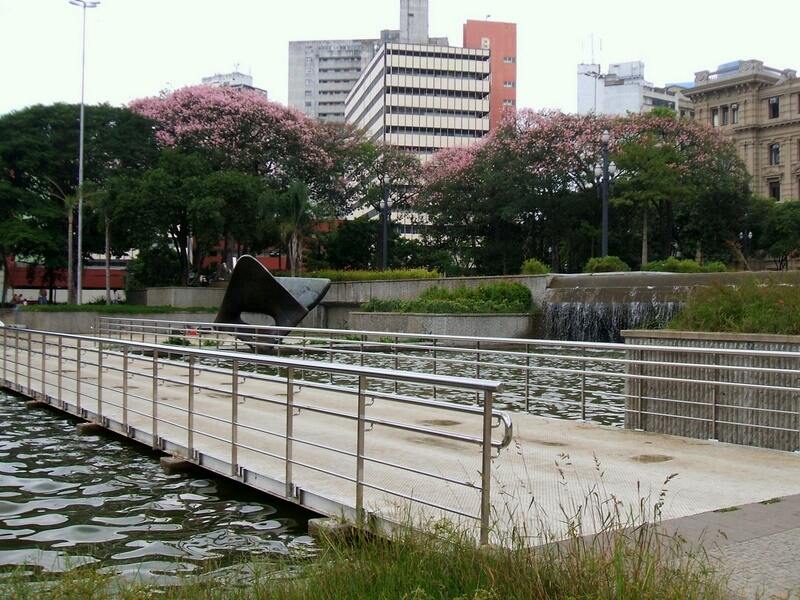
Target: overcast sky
(136, 48)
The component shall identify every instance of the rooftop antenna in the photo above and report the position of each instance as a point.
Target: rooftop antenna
(488, 17)
(236, 67)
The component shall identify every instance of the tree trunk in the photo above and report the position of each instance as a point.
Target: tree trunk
(4, 267)
(108, 260)
(644, 238)
(295, 251)
(70, 257)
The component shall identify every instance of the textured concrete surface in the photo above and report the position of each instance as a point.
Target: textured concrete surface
(758, 544)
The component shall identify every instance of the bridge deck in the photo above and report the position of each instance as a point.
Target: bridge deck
(551, 467)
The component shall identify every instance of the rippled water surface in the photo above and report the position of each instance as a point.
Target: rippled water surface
(68, 500)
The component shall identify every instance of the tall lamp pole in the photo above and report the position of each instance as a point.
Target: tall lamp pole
(605, 138)
(83, 4)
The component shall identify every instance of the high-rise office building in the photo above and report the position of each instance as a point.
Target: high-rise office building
(501, 40)
(322, 72)
(422, 98)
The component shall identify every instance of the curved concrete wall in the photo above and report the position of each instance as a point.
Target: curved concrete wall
(474, 325)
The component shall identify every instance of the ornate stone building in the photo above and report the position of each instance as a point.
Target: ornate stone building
(759, 107)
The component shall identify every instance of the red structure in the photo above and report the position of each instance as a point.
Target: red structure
(501, 40)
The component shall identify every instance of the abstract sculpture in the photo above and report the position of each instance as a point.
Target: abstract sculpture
(253, 295)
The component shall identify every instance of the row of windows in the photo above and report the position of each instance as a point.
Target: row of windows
(431, 54)
(340, 58)
(471, 133)
(341, 70)
(509, 84)
(774, 152)
(435, 73)
(434, 112)
(774, 186)
(509, 60)
(722, 115)
(443, 93)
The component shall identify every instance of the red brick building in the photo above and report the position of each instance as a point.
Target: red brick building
(501, 40)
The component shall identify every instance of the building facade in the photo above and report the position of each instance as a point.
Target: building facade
(422, 98)
(235, 80)
(623, 90)
(501, 41)
(759, 108)
(322, 72)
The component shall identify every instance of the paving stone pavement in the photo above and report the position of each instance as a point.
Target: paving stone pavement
(757, 544)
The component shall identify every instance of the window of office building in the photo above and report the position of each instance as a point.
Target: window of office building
(715, 117)
(774, 154)
(509, 59)
(508, 84)
(508, 102)
(734, 114)
(774, 104)
(724, 113)
(775, 190)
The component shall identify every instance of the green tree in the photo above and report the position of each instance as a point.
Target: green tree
(783, 232)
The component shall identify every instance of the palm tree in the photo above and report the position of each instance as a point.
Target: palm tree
(296, 216)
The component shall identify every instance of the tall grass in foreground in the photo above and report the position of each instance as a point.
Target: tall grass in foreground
(629, 563)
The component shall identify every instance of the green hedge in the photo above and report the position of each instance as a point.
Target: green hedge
(687, 265)
(752, 307)
(115, 309)
(499, 297)
(373, 275)
(605, 264)
(533, 266)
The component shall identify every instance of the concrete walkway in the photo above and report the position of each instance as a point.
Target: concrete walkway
(757, 543)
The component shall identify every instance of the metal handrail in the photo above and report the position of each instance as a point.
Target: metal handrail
(23, 347)
(501, 341)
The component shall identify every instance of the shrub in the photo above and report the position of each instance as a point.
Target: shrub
(752, 307)
(334, 275)
(686, 265)
(533, 266)
(501, 297)
(605, 264)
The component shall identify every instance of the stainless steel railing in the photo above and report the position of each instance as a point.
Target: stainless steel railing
(193, 401)
(739, 395)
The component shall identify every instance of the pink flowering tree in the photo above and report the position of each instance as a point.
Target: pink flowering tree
(530, 190)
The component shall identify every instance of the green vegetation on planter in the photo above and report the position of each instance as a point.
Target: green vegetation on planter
(116, 309)
(635, 562)
(686, 265)
(605, 264)
(364, 275)
(751, 307)
(177, 341)
(533, 266)
(501, 297)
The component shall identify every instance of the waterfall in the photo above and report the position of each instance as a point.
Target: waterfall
(602, 321)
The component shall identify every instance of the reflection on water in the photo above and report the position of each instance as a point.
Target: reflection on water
(69, 500)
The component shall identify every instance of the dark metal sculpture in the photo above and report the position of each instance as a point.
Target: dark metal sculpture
(255, 297)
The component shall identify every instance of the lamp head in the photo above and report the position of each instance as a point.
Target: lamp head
(605, 137)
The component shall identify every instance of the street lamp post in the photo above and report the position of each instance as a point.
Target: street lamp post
(604, 244)
(385, 214)
(83, 4)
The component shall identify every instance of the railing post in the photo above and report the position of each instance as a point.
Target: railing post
(583, 385)
(477, 367)
(361, 349)
(289, 431)
(715, 399)
(154, 411)
(527, 377)
(44, 376)
(78, 377)
(360, 433)
(486, 467)
(396, 363)
(125, 389)
(100, 381)
(58, 374)
(16, 359)
(30, 345)
(435, 362)
(190, 412)
(234, 417)
(642, 388)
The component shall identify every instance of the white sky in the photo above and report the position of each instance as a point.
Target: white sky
(138, 47)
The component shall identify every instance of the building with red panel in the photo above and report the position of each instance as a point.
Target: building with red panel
(501, 40)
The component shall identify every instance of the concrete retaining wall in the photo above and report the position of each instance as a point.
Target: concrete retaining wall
(707, 411)
(83, 322)
(494, 325)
